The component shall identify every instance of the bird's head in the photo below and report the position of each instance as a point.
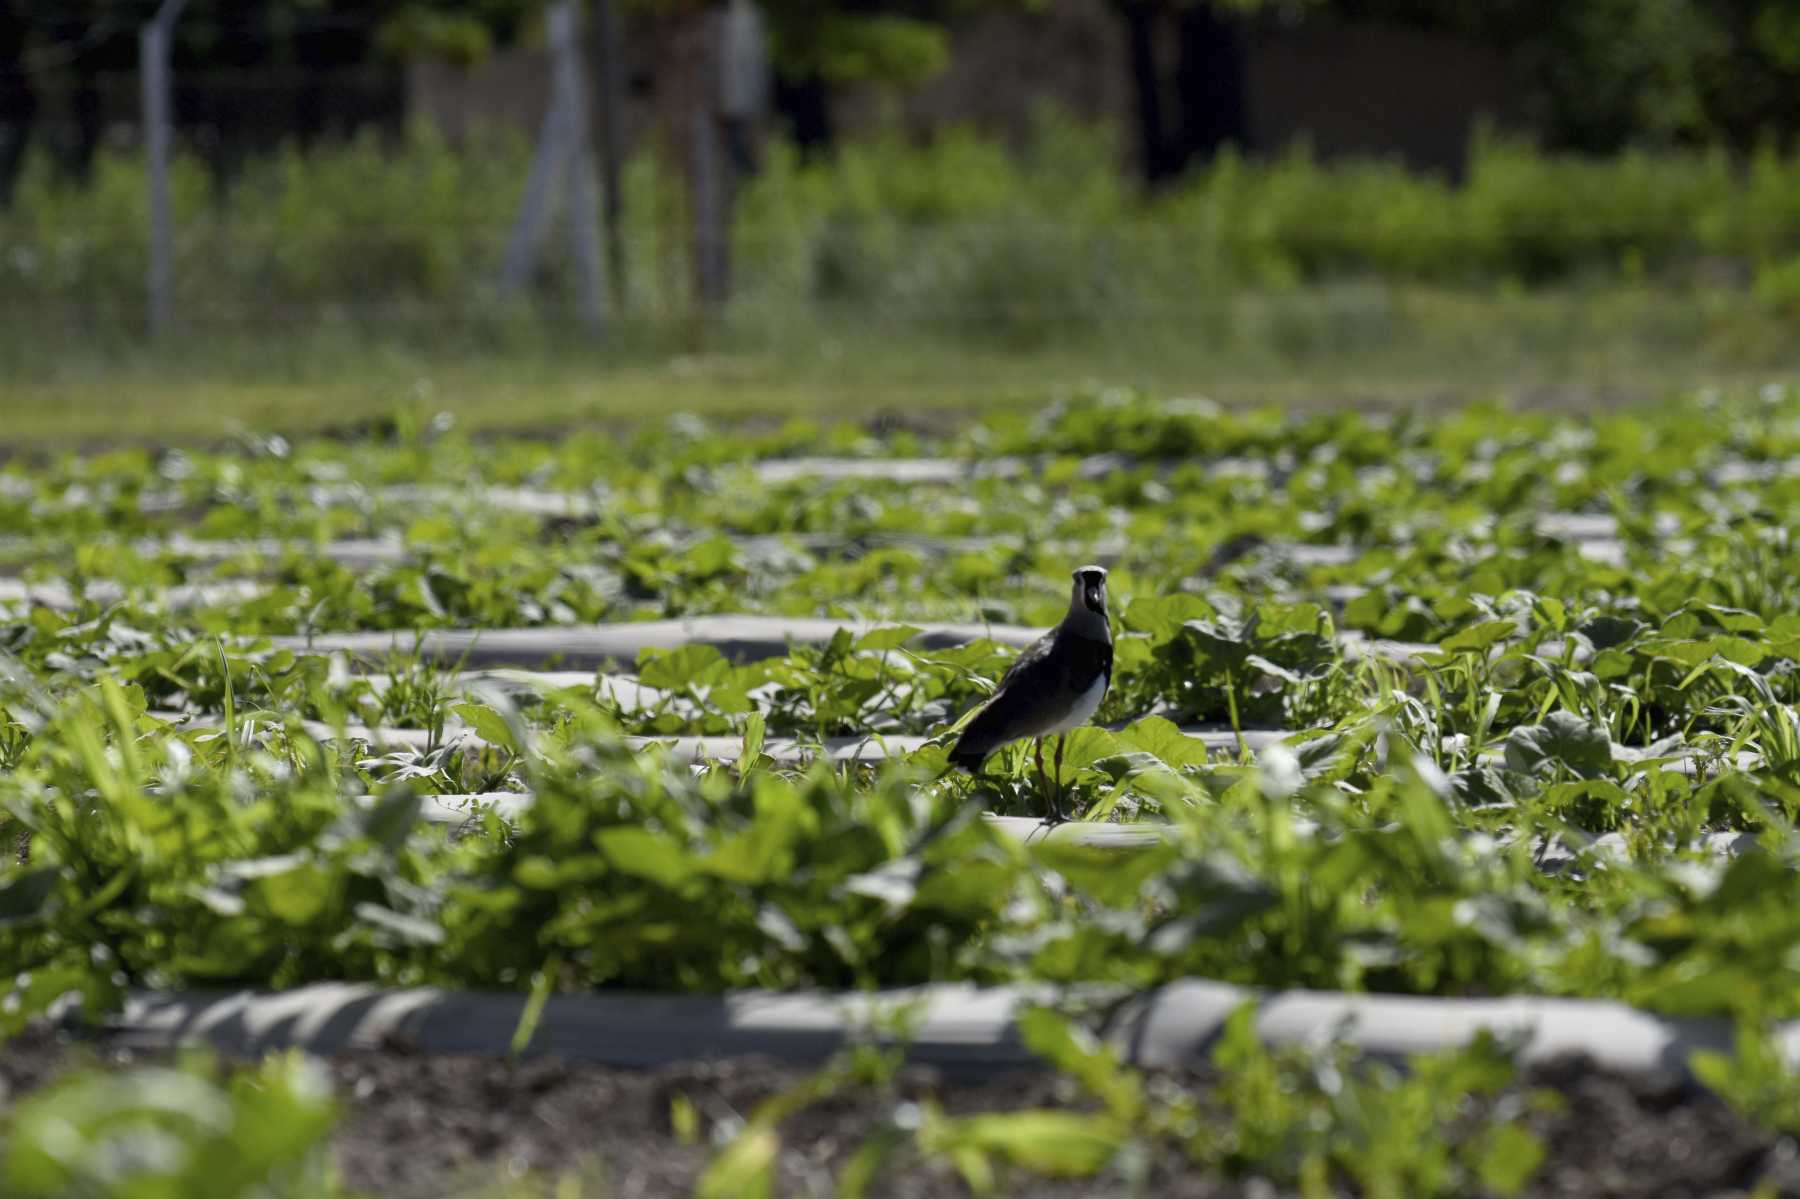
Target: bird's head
(1090, 589)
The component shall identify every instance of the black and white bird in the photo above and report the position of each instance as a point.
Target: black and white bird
(1055, 686)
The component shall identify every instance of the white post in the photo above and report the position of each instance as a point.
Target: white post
(153, 73)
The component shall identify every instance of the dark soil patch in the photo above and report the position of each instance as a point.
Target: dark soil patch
(416, 1126)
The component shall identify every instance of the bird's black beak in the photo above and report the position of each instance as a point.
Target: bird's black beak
(1093, 593)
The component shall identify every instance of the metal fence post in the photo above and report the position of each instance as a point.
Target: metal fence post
(153, 73)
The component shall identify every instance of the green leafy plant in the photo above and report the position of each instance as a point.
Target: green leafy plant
(185, 1130)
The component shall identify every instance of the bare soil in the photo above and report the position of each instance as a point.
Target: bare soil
(428, 1126)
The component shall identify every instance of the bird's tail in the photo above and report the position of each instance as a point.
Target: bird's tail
(978, 740)
(969, 755)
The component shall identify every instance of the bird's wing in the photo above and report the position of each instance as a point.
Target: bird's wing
(1028, 701)
(1028, 668)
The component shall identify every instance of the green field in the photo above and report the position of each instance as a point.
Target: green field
(1437, 700)
(1368, 345)
(327, 288)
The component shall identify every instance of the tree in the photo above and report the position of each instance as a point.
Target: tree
(18, 103)
(1603, 74)
(293, 55)
(1203, 108)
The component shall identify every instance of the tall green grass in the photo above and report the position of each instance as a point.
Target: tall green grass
(958, 238)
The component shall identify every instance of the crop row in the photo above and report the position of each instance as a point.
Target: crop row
(1382, 721)
(1476, 690)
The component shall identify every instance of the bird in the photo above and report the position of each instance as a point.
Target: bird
(1054, 686)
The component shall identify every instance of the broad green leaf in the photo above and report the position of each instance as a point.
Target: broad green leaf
(754, 727)
(1055, 1143)
(679, 669)
(1218, 646)
(964, 887)
(1608, 632)
(758, 854)
(488, 724)
(645, 854)
(887, 638)
(295, 896)
(1564, 739)
(1082, 747)
(1163, 615)
(1478, 637)
(24, 894)
(746, 1167)
(1510, 1157)
(392, 818)
(869, 1162)
(1075, 1051)
(717, 555)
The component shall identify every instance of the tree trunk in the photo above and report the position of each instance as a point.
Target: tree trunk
(18, 103)
(804, 105)
(1208, 89)
(1153, 148)
(684, 117)
(1209, 82)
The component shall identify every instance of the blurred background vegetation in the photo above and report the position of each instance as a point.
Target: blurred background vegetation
(939, 198)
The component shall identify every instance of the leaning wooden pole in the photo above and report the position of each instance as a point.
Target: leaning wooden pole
(562, 149)
(534, 208)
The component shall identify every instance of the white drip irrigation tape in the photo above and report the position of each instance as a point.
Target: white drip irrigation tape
(740, 638)
(457, 810)
(590, 647)
(523, 500)
(1550, 855)
(787, 750)
(956, 1027)
(782, 471)
(588, 505)
(354, 552)
(622, 690)
(180, 597)
(357, 553)
(1595, 536)
(365, 554)
(873, 747)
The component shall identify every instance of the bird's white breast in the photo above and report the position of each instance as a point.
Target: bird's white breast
(1085, 706)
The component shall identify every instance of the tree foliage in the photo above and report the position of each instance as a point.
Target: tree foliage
(1604, 73)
